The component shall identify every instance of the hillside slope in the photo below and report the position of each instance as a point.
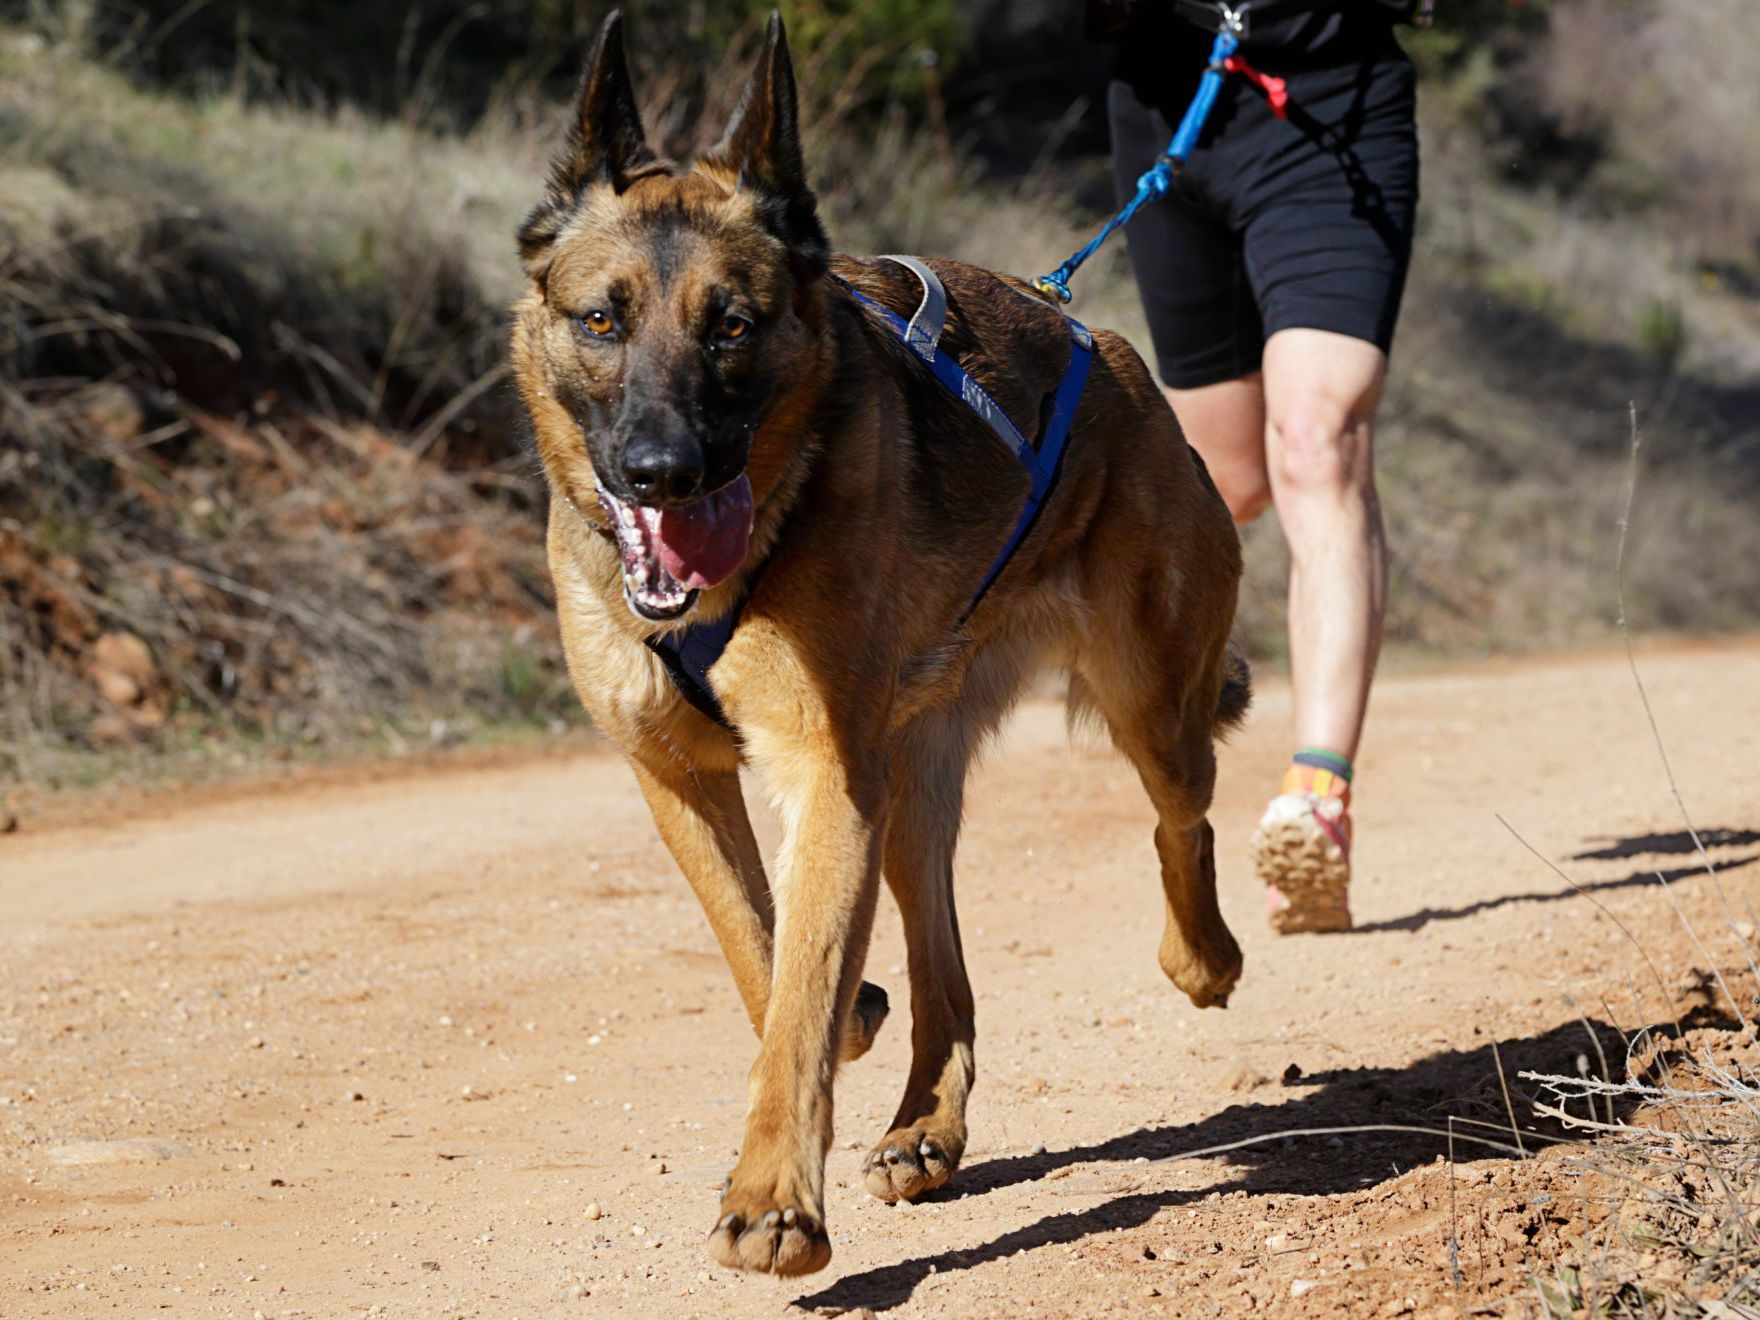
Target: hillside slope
(263, 484)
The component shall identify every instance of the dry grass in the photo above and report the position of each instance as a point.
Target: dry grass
(1668, 86)
(1672, 1190)
(251, 366)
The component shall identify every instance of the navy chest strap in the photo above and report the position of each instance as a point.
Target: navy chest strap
(690, 653)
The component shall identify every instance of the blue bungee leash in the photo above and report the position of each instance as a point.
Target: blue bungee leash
(1155, 182)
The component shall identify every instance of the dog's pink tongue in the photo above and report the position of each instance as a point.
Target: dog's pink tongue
(702, 544)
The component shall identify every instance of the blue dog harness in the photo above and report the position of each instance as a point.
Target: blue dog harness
(689, 653)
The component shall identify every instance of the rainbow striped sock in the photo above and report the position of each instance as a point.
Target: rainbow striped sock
(1316, 770)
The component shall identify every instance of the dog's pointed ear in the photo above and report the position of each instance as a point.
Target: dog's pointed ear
(605, 143)
(763, 141)
(762, 149)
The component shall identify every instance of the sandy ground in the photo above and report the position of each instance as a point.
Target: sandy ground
(461, 1045)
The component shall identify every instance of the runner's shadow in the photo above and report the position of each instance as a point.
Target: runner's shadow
(1637, 846)
(1458, 1084)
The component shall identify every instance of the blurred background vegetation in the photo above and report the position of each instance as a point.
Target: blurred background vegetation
(262, 483)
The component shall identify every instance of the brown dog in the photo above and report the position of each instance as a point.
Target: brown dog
(726, 426)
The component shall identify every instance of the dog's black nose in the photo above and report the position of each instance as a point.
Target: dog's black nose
(671, 474)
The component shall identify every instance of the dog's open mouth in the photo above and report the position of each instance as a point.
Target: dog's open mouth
(671, 554)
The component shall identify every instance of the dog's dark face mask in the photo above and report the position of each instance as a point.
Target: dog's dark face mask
(665, 321)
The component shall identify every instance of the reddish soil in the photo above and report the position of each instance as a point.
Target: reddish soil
(389, 1045)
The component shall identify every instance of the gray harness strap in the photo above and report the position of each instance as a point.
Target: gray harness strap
(922, 335)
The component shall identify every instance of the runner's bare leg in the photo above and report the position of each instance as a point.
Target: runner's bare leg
(1321, 393)
(1300, 435)
(1225, 423)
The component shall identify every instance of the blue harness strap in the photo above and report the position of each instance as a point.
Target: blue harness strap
(1043, 463)
(689, 653)
(1047, 461)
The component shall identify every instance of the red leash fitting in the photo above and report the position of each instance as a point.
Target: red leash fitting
(1275, 89)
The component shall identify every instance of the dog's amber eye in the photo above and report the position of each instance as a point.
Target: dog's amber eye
(598, 323)
(732, 327)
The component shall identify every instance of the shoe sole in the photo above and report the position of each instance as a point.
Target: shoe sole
(1309, 871)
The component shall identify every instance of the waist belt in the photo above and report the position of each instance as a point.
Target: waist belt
(689, 653)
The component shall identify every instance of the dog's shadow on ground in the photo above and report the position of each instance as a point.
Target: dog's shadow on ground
(1676, 844)
(1462, 1085)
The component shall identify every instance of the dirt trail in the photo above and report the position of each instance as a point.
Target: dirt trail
(377, 1047)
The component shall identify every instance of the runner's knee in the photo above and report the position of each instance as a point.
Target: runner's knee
(1317, 447)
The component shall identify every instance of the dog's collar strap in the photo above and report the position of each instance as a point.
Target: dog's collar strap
(689, 653)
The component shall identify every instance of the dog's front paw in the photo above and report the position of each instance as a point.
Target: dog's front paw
(908, 1163)
(769, 1235)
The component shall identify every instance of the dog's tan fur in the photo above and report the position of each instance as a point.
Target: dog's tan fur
(859, 698)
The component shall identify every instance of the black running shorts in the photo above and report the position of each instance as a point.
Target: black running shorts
(1273, 224)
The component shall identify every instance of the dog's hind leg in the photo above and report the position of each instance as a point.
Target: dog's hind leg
(1161, 706)
(702, 819)
(928, 1134)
